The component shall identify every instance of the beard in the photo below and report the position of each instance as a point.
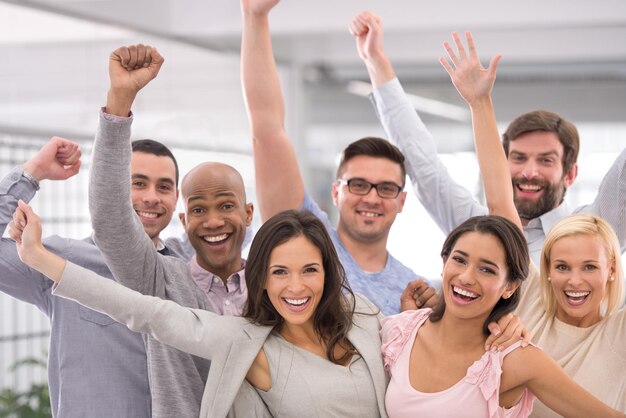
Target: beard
(551, 197)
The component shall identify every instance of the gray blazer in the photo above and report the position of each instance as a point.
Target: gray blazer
(231, 343)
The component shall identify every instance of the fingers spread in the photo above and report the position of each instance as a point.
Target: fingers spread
(459, 45)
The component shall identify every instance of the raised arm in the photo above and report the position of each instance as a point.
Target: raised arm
(58, 159)
(475, 83)
(183, 328)
(118, 232)
(447, 202)
(279, 184)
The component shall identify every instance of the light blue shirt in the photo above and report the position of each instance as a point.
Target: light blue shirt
(383, 287)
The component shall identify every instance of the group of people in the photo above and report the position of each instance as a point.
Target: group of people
(530, 304)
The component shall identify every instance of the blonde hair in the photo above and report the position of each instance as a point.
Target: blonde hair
(591, 225)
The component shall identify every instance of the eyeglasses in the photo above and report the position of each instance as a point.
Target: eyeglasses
(385, 190)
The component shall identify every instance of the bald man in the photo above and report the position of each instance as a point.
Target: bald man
(216, 216)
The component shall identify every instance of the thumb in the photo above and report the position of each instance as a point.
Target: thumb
(156, 61)
(27, 210)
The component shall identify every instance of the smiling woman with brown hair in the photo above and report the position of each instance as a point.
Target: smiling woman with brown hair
(301, 327)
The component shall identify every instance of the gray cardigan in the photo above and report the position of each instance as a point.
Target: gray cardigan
(231, 343)
(176, 378)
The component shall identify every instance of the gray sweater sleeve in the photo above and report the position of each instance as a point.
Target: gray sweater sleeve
(118, 232)
(194, 331)
(447, 202)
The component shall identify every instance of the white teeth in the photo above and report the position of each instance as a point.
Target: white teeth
(216, 238)
(530, 187)
(576, 294)
(147, 214)
(369, 214)
(464, 292)
(297, 302)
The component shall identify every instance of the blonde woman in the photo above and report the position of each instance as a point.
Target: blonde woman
(573, 307)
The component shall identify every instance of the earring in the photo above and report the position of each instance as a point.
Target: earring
(549, 279)
(611, 278)
(506, 295)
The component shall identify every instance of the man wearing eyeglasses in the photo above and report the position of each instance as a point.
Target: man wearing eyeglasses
(370, 178)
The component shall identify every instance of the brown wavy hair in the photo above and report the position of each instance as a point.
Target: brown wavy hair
(333, 316)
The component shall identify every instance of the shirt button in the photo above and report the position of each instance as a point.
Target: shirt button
(227, 303)
(215, 280)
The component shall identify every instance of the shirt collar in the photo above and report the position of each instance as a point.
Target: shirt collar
(200, 275)
(548, 219)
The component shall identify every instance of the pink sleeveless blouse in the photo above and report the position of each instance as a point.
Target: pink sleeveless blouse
(476, 395)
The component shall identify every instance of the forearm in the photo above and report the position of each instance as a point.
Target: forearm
(446, 201)
(492, 161)
(119, 102)
(189, 330)
(45, 262)
(557, 390)
(129, 252)
(13, 187)
(261, 83)
(380, 70)
(275, 161)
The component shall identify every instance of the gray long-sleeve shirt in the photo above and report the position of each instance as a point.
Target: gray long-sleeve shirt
(177, 379)
(96, 367)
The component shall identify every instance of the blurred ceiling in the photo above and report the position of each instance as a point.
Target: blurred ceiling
(565, 55)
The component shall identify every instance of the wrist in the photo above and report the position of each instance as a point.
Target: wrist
(35, 257)
(481, 103)
(32, 172)
(119, 102)
(380, 70)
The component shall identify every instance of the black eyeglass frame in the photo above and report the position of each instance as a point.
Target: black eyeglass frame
(371, 185)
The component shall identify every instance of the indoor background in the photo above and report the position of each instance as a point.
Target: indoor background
(568, 56)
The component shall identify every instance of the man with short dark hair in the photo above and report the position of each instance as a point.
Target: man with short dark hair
(370, 179)
(541, 148)
(83, 343)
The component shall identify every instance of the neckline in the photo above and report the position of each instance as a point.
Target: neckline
(304, 351)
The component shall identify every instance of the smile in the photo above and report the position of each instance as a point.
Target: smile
(214, 239)
(297, 305)
(368, 214)
(529, 187)
(576, 298)
(149, 215)
(464, 294)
